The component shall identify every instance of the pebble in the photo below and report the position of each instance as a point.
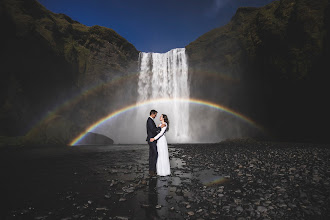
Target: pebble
(121, 218)
(261, 209)
(40, 217)
(101, 209)
(191, 213)
(239, 209)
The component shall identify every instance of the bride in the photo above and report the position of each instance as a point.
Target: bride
(163, 161)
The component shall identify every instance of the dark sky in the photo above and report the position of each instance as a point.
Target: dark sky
(153, 25)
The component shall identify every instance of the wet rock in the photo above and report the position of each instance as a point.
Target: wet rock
(227, 208)
(191, 213)
(303, 194)
(121, 218)
(261, 209)
(41, 217)
(101, 209)
(145, 205)
(239, 209)
(128, 189)
(282, 205)
(179, 192)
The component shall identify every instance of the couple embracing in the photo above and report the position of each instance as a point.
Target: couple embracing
(159, 163)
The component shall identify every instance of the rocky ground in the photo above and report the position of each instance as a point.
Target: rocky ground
(240, 179)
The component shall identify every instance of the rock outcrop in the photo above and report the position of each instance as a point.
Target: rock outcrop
(49, 61)
(271, 64)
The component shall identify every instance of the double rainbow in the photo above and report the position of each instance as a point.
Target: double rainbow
(93, 89)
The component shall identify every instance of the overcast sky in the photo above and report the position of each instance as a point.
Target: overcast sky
(153, 25)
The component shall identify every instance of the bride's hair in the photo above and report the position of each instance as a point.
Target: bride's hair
(167, 121)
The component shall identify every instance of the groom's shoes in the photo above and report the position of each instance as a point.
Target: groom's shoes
(152, 173)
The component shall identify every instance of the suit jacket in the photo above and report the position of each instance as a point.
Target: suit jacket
(152, 130)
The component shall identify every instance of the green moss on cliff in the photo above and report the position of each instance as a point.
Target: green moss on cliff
(52, 58)
(279, 53)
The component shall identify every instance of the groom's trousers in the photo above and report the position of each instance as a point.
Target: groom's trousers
(153, 155)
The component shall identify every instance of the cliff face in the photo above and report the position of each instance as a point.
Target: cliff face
(46, 59)
(270, 63)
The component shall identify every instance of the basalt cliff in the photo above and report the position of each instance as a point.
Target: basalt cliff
(271, 63)
(55, 73)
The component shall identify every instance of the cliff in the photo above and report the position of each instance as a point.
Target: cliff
(270, 63)
(48, 59)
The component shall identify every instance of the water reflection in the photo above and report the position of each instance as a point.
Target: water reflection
(163, 190)
(151, 211)
(165, 194)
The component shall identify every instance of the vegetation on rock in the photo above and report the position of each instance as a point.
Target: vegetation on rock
(48, 59)
(271, 64)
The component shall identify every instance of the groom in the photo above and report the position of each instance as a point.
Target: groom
(152, 131)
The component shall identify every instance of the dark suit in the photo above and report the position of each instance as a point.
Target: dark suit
(152, 131)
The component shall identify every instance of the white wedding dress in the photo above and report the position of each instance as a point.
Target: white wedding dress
(163, 161)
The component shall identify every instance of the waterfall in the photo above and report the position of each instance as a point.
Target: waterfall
(165, 75)
(162, 83)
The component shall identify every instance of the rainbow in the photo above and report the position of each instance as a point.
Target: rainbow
(95, 88)
(217, 181)
(78, 97)
(194, 101)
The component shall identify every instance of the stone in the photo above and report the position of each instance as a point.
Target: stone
(239, 209)
(101, 209)
(191, 213)
(261, 209)
(121, 218)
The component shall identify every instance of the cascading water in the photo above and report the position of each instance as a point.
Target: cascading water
(165, 75)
